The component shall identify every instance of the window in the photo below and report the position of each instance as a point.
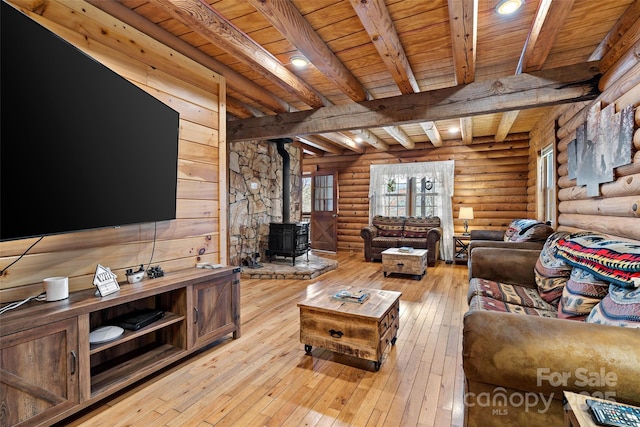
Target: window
(425, 197)
(323, 193)
(409, 196)
(548, 184)
(306, 194)
(395, 197)
(419, 189)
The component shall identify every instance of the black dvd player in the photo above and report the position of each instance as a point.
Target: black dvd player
(139, 319)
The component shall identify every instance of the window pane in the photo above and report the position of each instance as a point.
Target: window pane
(306, 194)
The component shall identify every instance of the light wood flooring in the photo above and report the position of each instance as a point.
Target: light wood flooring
(264, 378)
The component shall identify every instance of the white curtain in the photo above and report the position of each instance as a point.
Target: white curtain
(440, 172)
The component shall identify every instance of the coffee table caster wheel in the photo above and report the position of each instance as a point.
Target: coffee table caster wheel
(384, 273)
(307, 348)
(376, 365)
(393, 340)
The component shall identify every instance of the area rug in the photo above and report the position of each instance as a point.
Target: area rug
(282, 268)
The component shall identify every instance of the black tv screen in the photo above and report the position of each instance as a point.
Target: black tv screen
(81, 147)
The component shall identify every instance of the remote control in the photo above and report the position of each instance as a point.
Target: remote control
(614, 414)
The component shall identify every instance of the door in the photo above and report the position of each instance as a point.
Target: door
(39, 373)
(216, 309)
(324, 212)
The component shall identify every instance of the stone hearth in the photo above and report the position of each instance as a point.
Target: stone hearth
(256, 195)
(282, 268)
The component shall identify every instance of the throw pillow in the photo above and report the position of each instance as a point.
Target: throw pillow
(516, 227)
(581, 293)
(551, 273)
(535, 233)
(615, 261)
(389, 226)
(620, 307)
(419, 227)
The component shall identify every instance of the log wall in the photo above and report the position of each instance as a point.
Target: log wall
(199, 232)
(489, 176)
(616, 211)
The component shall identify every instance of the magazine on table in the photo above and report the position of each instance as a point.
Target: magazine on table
(350, 296)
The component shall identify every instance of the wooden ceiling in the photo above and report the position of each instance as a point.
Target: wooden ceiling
(388, 71)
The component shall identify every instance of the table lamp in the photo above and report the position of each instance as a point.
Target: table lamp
(466, 213)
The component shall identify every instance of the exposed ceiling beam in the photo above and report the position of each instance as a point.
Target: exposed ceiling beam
(344, 141)
(432, 132)
(376, 20)
(378, 23)
(313, 151)
(612, 56)
(320, 143)
(234, 80)
(550, 18)
(463, 19)
(241, 110)
(203, 19)
(371, 139)
(544, 88)
(506, 121)
(628, 19)
(466, 130)
(284, 16)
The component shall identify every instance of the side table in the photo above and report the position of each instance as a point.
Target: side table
(461, 248)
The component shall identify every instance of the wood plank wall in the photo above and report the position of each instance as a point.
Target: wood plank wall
(489, 176)
(198, 94)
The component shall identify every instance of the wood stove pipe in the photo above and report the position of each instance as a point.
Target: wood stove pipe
(286, 177)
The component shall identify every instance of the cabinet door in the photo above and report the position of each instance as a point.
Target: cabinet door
(216, 309)
(39, 372)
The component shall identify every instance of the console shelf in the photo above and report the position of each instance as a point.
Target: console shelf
(201, 306)
(168, 319)
(134, 369)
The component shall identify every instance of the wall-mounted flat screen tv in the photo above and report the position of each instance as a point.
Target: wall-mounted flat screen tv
(81, 147)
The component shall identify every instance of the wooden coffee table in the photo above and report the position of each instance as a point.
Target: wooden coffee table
(396, 261)
(361, 330)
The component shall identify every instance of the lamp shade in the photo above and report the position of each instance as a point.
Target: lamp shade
(466, 212)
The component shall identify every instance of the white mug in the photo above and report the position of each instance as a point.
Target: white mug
(57, 288)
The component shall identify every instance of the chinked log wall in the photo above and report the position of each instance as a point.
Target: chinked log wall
(489, 176)
(198, 95)
(617, 210)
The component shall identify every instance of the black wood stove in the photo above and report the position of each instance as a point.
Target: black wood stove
(288, 239)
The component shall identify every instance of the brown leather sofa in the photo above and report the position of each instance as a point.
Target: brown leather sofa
(518, 365)
(395, 232)
(520, 234)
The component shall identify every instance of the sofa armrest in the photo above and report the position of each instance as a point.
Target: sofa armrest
(543, 355)
(369, 232)
(434, 234)
(497, 235)
(504, 265)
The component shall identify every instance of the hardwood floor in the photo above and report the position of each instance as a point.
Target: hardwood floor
(264, 378)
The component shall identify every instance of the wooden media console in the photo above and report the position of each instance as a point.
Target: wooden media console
(50, 370)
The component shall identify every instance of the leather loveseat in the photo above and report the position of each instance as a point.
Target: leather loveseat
(395, 232)
(527, 337)
(520, 234)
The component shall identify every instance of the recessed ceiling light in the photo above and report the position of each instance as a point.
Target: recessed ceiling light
(454, 130)
(299, 61)
(506, 7)
(357, 139)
